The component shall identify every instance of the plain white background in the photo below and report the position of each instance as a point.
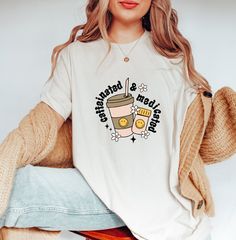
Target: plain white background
(30, 29)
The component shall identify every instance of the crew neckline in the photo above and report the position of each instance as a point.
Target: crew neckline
(140, 39)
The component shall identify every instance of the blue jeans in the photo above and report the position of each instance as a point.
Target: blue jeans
(56, 199)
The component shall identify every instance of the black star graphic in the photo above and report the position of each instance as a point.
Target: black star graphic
(107, 126)
(133, 138)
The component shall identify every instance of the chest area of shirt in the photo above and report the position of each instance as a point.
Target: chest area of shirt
(128, 104)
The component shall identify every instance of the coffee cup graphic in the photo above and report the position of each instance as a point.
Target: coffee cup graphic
(119, 107)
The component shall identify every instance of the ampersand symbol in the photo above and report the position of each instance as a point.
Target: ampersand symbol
(133, 87)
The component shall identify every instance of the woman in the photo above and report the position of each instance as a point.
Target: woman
(128, 109)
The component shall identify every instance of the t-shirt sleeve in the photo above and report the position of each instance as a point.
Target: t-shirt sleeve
(56, 91)
(185, 93)
(181, 80)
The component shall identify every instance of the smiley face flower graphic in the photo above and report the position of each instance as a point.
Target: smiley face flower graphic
(115, 136)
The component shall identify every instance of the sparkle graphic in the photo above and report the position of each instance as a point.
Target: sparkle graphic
(133, 138)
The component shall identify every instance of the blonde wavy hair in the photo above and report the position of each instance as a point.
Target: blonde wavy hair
(161, 20)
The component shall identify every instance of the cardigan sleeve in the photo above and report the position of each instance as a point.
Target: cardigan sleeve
(219, 140)
(35, 141)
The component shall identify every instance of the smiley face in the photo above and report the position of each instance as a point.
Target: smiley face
(123, 122)
(139, 123)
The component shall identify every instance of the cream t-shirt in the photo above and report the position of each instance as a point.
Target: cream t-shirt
(126, 119)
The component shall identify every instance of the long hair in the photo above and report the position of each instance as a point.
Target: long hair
(161, 20)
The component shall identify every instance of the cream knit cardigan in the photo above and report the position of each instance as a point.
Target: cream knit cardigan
(208, 136)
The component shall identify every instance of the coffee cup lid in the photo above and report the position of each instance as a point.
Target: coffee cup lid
(119, 100)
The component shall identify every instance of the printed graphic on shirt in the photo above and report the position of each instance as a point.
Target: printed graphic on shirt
(130, 111)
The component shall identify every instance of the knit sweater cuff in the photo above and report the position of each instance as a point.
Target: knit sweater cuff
(219, 141)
